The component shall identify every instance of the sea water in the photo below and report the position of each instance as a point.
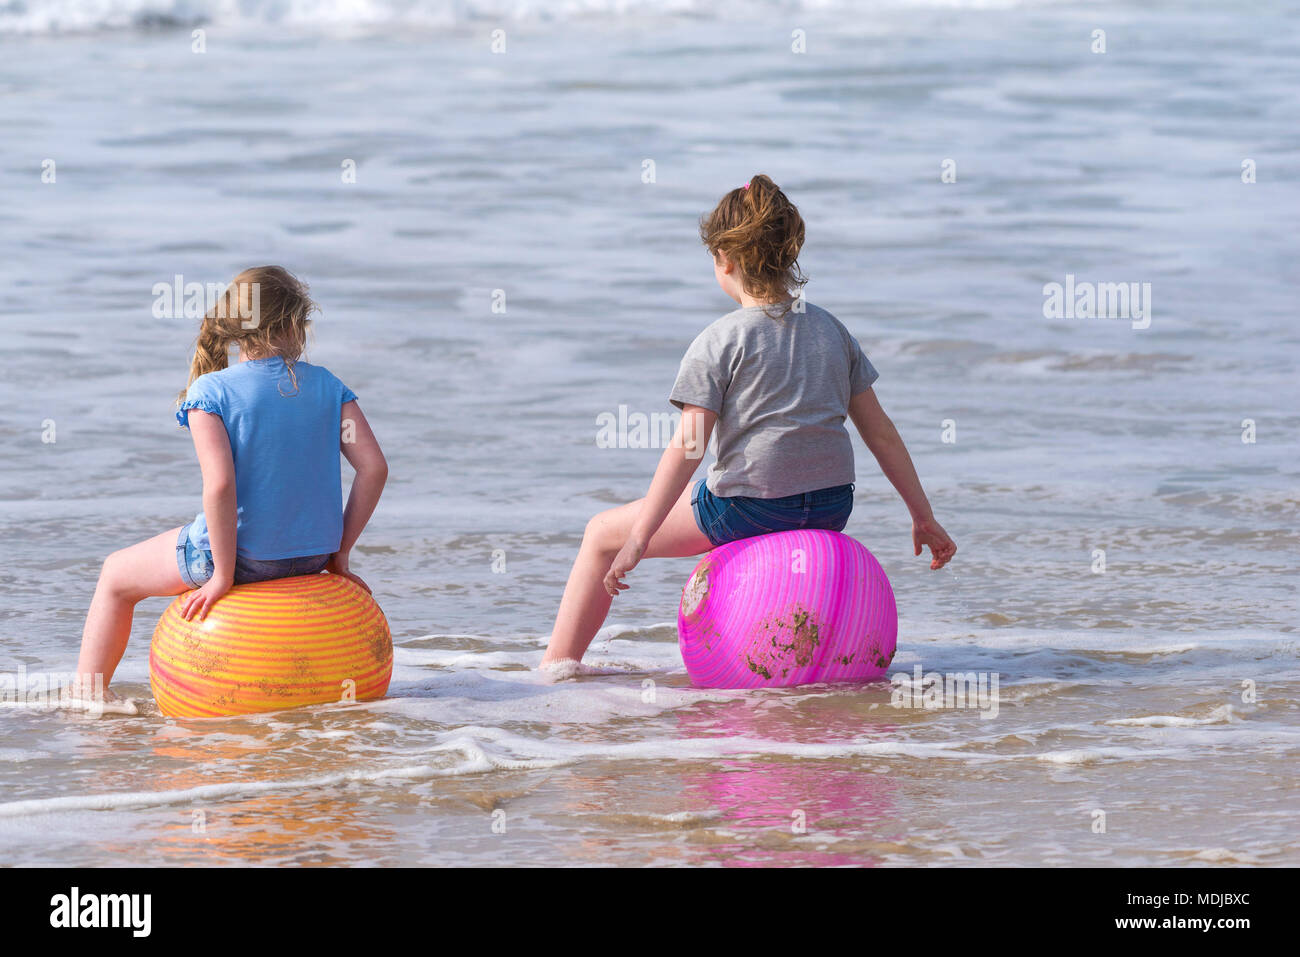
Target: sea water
(496, 206)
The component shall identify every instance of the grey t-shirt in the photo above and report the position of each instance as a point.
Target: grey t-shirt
(781, 390)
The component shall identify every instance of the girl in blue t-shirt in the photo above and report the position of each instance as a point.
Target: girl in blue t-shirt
(268, 430)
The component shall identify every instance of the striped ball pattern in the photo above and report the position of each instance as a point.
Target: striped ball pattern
(272, 645)
(787, 608)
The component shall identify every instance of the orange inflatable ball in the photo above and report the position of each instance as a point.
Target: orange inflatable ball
(272, 645)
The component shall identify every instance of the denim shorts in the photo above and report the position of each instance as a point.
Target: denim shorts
(728, 519)
(196, 566)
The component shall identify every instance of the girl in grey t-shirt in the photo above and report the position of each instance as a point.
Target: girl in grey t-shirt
(776, 378)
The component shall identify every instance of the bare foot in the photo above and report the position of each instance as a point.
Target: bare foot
(561, 669)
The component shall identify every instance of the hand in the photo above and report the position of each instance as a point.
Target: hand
(926, 531)
(338, 565)
(200, 602)
(624, 562)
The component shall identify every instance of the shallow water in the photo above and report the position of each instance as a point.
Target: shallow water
(1120, 691)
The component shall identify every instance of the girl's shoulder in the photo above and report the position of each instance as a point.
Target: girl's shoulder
(736, 323)
(831, 320)
(321, 373)
(757, 321)
(739, 329)
(256, 373)
(719, 334)
(329, 384)
(824, 315)
(210, 383)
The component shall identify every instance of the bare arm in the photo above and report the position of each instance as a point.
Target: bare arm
(217, 463)
(676, 466)
(361, 449)
(882, 438)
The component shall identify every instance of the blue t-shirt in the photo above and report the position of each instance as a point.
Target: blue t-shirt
(285, 442)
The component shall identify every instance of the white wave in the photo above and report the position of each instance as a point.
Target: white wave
(486, 748)
(1221, 715)
(1074, 756)
(452, 658)
(916, 636)
(20, 755)
(119, 706)
(80, 16)
(483, 749)
(1223, 855)
(474, 760)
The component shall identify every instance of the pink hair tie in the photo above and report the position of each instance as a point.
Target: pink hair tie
(746, 186)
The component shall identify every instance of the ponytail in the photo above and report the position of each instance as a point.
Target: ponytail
(760, 230)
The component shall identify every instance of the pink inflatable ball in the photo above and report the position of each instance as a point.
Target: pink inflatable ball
(787, 608)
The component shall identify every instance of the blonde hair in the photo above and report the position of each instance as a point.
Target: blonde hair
(266, 311)
(756, 227)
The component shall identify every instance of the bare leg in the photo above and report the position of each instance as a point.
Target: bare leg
(141, 571)
(586, 603)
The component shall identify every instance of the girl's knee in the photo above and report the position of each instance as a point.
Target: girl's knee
(114, 575)
(600, 530)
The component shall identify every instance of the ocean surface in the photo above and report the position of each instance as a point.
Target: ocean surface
(1125, 498)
